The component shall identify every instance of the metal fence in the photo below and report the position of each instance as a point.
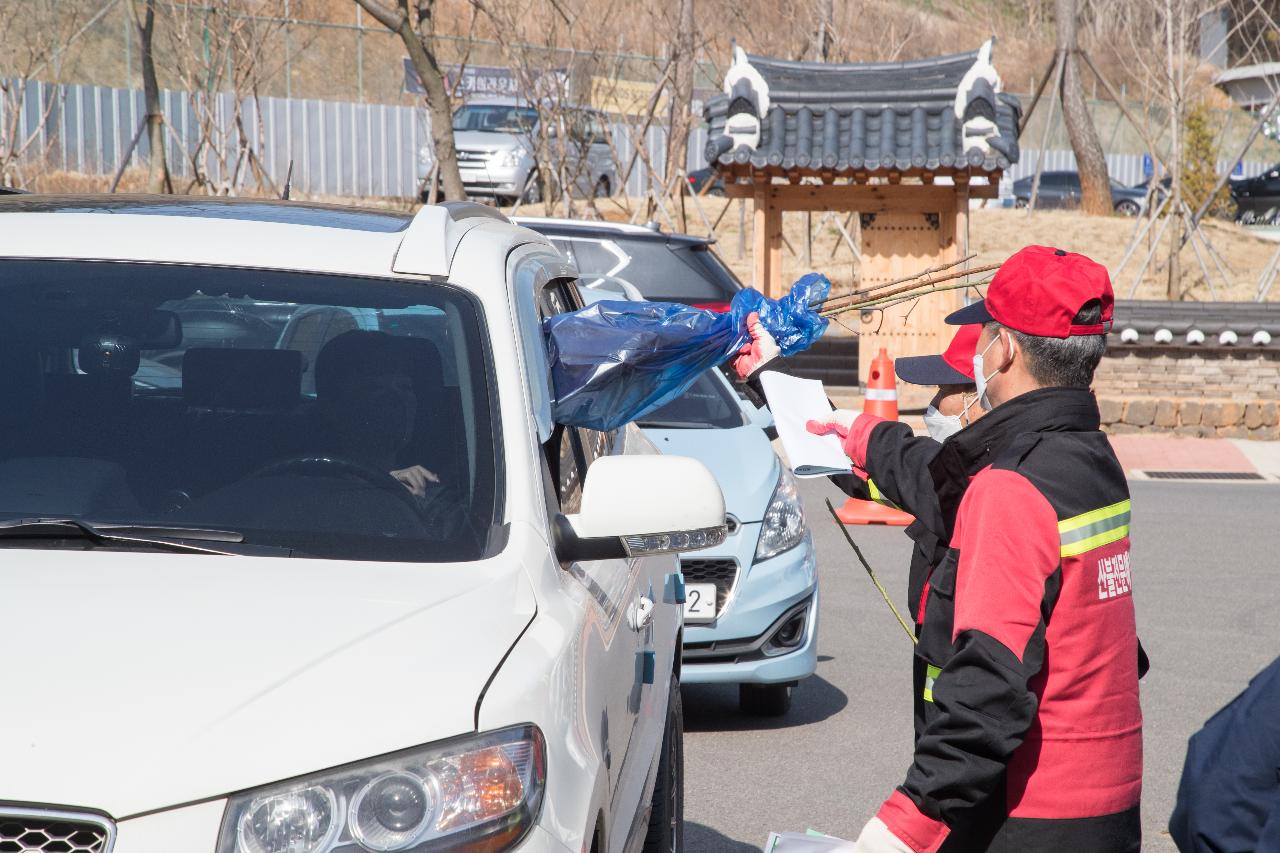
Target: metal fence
(336, 147)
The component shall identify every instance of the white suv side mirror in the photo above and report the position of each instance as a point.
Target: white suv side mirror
(639, 505)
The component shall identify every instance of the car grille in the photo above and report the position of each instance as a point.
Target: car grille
(722, 573)
(465, 156)
(38, 831)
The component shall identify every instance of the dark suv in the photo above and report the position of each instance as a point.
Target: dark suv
(1062, 190)
(1258, 199)
(663, 267)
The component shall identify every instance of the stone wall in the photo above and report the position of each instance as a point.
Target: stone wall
(1227, 392)
(1224, 373)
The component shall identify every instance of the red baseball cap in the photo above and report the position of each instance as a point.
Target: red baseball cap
(1039, 291)
(953, 367)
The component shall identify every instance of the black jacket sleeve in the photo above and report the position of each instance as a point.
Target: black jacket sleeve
(984, 711)
(852, 485)
(898, 465)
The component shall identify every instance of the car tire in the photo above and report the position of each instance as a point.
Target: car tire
(765, 700)
(1021, 203)
(532, 192)
(1128, 207)
(603, 188)
(666, 819)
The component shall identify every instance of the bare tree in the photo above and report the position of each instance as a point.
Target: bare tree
(1095, 185)
(144, 17)
(824, 32)
(557, 81)
(38, 34)
(681, 116)
(415, 27)
(220, 48)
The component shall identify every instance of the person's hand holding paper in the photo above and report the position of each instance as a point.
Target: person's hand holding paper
(793, 403)
(852, 428)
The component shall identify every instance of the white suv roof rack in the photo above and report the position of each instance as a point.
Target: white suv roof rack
(432, 237)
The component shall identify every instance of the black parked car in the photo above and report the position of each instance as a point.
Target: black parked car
(663, 267)
(700, 178)
(1062, 190)
(1258, 199)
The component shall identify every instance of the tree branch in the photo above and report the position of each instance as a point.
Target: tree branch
(392, 19)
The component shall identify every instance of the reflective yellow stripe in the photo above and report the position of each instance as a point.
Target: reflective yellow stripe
(877, 495)
(1105, 538)
(930, 676)
(1093, 515)
(1094, 529)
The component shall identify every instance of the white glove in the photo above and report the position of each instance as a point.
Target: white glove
(876, 838)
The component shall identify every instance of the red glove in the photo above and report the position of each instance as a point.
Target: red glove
(757, 353)
(853, 430)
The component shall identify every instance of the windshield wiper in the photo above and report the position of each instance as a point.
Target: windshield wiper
(674, 425)
(160, 538)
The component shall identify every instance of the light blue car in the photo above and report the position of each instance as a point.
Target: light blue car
(751, 609)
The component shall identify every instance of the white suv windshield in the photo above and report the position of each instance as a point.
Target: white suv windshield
(496, 119)
(329, 416)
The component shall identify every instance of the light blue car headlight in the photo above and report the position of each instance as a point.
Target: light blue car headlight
(477, 793)
(783, 527)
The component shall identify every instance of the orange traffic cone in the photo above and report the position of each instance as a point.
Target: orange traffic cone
(882, 400)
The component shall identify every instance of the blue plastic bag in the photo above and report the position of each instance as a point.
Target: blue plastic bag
(614, 362)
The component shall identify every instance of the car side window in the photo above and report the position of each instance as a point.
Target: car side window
(571, 450)
(599, 130)
(570, 469)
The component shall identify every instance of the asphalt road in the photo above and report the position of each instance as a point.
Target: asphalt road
(1203, 557)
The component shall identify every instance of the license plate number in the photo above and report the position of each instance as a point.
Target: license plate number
(700, 601)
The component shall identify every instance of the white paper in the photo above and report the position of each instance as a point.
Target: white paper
(794, 402)
(796, 842)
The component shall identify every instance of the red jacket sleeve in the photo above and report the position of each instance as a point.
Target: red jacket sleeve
(1007, 534)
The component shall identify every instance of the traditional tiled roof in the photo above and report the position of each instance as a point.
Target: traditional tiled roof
(940, 115)
(1156, 323)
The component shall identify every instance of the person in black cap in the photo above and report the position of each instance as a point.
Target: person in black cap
(954, 407)
(1031, 737)
(897, 469)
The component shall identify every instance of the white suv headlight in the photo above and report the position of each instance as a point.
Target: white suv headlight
(783, 527)
(476, 793)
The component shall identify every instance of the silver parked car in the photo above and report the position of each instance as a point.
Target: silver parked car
(498, 141)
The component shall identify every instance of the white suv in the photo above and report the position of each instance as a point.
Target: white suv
(297, 560)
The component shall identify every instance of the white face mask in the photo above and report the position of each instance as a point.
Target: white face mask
(981, 378)
(940, 426)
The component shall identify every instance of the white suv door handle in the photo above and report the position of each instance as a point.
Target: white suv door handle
(643, 614)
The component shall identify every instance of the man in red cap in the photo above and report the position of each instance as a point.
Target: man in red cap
(1031, 738)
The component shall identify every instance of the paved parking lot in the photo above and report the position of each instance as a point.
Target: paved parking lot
(1207, 598)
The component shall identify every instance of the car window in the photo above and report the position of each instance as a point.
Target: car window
(661, 271)
(707, 404)
(337, 417)
(570, 450)
(495, 118)
(599, 257)
(599, 130)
